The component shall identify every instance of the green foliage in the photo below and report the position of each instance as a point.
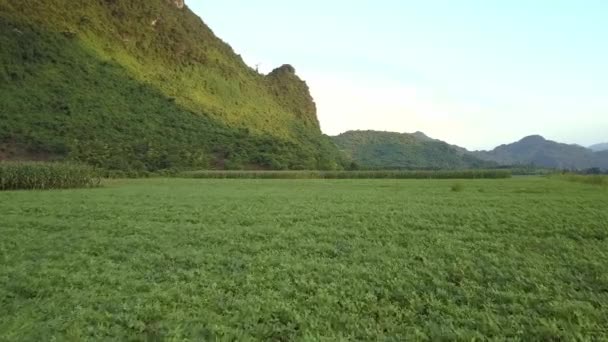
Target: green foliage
(462, 174)
(97, 82)
(388, 150)
(361, 260)
(42, 176)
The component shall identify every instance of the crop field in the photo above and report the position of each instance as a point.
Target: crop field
(251, 259)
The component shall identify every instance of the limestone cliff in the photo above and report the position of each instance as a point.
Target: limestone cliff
(293, 93)
(178, 3)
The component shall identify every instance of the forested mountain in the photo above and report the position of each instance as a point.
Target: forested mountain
(599, 147)
(374, 149)
(538, 151)
(145, 85)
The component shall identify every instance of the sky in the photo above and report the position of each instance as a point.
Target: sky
(476, 73)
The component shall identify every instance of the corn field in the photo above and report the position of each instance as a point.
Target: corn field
(41, 176)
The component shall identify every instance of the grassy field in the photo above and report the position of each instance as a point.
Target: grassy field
(175, 259)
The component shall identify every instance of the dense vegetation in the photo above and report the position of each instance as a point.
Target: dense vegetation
(536, 150)
(142, 85)
(388, 150)
(42, 176)
(368, 260)
(461, 174)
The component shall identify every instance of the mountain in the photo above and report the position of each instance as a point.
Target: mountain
(374, 149)
(538, 151)
(420, 136)
(601, 159)
(145, 85)
(599, 147)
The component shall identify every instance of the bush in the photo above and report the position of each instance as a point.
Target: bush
(39, 176)
(458, 187)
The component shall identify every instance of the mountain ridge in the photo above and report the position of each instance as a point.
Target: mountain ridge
(382, 149)
(538, 151)
(599, 147)
(376, 149)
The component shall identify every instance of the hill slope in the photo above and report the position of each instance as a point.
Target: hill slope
(599, 147)
(538, 151)
(136, 84)
(374, 149)
(601, 159)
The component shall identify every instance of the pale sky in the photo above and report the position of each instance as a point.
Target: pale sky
(476, 73)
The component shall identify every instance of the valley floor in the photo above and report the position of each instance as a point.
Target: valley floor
(175, 259)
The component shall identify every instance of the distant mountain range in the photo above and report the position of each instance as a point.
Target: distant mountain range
(374, 149)
(538, 151)
(599, 147)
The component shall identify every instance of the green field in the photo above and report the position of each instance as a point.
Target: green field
(179, 259)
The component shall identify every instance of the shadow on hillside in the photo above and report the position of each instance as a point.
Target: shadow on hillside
(62, 100)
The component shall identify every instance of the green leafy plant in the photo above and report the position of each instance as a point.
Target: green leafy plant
(332, 260)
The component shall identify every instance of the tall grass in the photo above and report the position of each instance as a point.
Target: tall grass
(40, 176)
(463, 174)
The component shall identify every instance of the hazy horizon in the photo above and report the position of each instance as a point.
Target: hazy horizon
(473, 73)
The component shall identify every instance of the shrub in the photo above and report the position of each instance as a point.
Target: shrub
(458, 187)
(39, 176)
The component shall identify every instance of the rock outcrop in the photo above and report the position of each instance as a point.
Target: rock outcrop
(293, 93)
(178, 3)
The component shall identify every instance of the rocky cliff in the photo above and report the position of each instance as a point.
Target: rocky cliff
(293, 93)
(178, 3)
